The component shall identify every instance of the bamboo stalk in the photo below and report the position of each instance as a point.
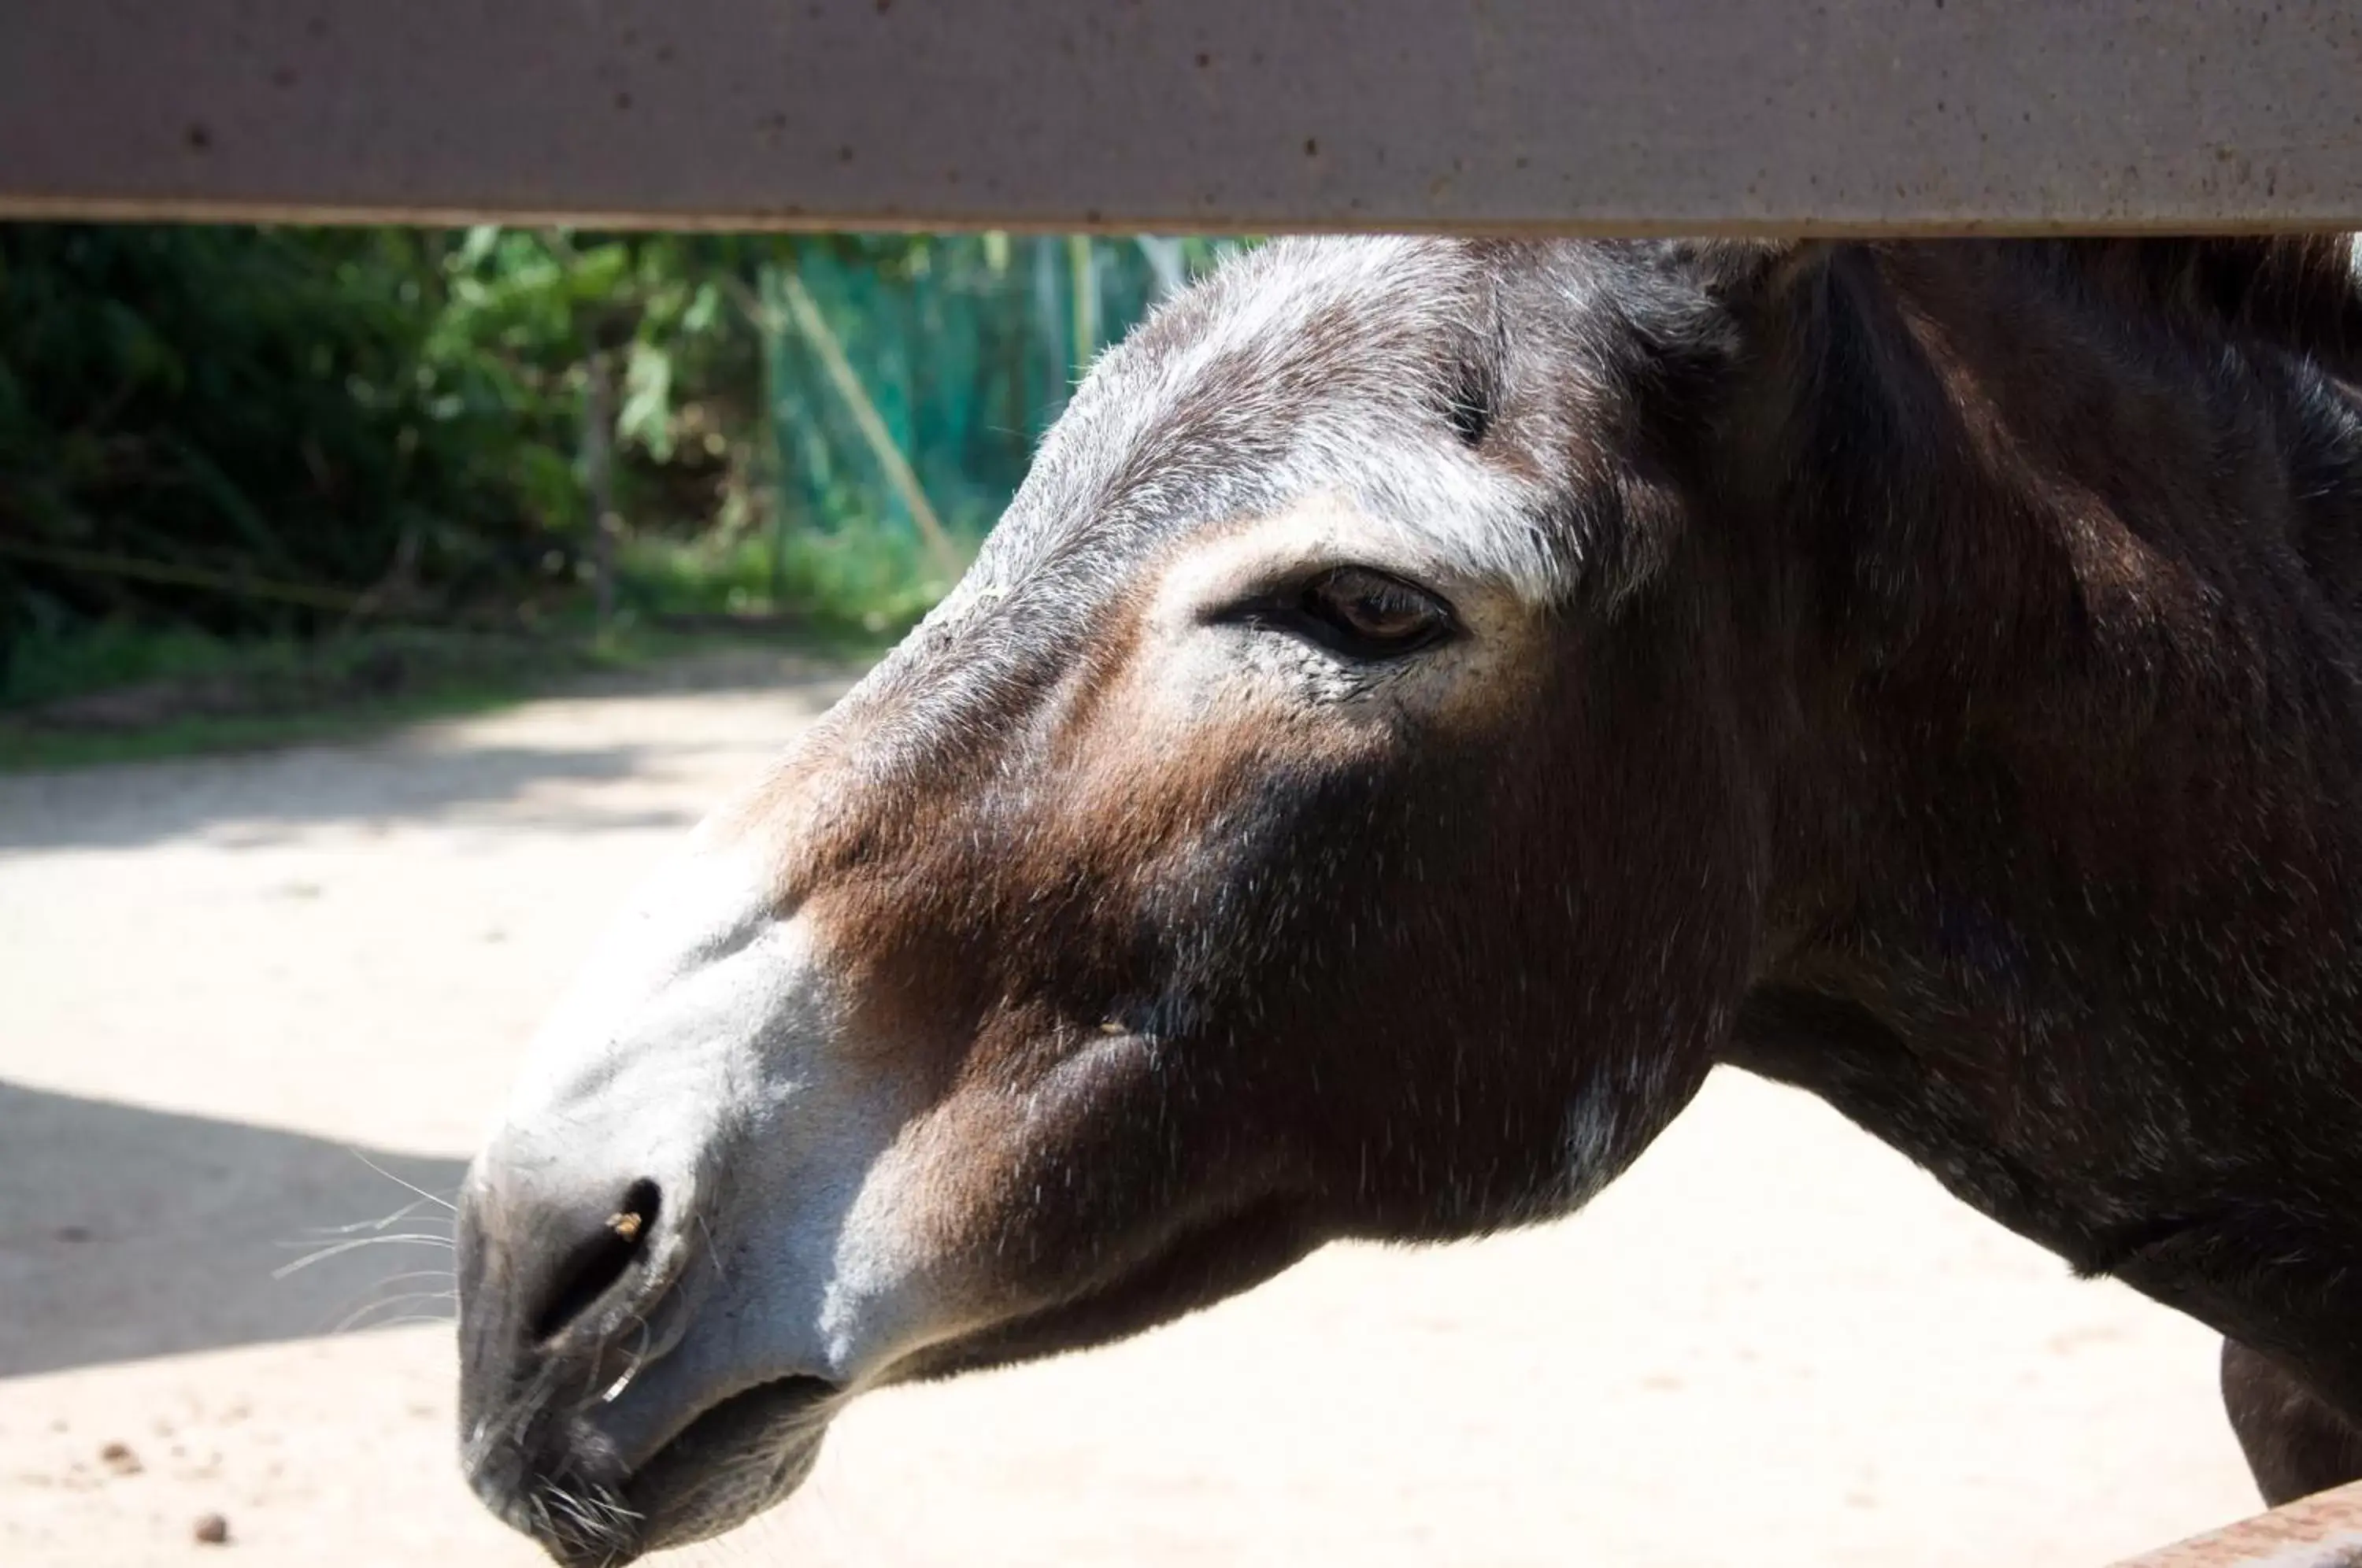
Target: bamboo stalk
(1084, 262)
(771, 331)
(1164, 261)
(898, 473)
(1056, 362)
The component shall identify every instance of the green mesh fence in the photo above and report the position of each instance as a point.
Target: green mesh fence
(966, 349)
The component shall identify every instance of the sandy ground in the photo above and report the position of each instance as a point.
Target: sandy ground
(226, 984)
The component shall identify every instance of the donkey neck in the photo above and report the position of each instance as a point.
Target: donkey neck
(2079, 926)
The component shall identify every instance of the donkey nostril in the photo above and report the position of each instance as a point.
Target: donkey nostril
(601, 1260)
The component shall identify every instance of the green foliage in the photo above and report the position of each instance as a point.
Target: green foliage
(858, 583)
(271, 434)
(250, 403)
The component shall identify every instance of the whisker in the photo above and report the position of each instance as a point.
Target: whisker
(417, 1317)
(400, 1182)
(521, 1409)
(712, 1252)
(409, 1238)
(589, 1519)
(563, 1501)
(353, 1320)
(399, 1215)
(410, 1274)
(639, 1359)
(402, 1276)
(362, 1303)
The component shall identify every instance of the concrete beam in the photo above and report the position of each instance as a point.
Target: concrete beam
(1567, 116)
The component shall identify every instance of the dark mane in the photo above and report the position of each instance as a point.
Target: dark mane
(2302, 292)
(1977, 440)
(2073, 532)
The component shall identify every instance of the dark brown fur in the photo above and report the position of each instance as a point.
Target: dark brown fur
(2087, 760)
(1954, 713)
(1996, 703)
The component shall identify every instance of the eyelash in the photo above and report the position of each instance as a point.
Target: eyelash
(1304, 611)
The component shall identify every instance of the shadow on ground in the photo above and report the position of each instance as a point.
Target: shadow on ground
(248, 801)
(245, 801)
(129, 1233)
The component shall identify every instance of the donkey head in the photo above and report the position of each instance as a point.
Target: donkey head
(1323, 811)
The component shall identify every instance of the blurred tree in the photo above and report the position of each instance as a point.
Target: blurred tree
(266, 430)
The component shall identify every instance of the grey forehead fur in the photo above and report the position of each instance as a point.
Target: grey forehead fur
(1317, 364)
(1325, 365)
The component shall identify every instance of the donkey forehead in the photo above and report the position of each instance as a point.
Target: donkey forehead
(1312, 370)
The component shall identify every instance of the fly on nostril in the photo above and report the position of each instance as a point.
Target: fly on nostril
(601, 1260)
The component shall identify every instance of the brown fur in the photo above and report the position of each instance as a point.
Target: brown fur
(2087, 528)
(1949, 706)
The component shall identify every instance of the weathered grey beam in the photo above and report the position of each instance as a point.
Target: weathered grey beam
(1577, 115)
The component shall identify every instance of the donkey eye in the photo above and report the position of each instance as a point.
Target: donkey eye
(1366, 615)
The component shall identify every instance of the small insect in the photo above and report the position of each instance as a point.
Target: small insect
(1112, 1026)
(626, 1225)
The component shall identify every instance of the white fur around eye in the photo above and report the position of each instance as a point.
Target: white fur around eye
(1203, 660)
(1315, 674)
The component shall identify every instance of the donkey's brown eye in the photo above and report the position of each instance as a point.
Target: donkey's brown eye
(1369, 614)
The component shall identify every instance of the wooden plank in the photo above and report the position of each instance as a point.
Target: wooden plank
(1569, 116)
(2321, 1531)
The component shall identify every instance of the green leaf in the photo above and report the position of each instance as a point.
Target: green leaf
(645, 419)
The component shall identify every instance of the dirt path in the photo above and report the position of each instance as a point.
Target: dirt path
(220, 979)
